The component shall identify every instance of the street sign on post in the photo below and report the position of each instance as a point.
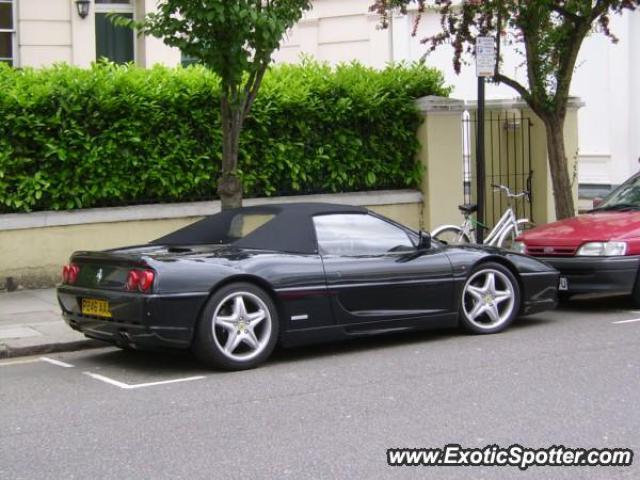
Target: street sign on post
(485, 67)
(485, 56)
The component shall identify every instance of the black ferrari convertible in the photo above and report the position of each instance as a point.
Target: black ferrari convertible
(233, 285)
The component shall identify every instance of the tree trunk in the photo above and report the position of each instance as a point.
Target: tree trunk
(229, 185)
(559, 168)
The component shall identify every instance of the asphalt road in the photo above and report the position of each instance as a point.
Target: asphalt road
(569, 377)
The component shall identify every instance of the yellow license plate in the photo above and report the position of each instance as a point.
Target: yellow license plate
(97, 308)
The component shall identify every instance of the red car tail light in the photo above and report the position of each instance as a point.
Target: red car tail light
(70, 273)
(141, 280)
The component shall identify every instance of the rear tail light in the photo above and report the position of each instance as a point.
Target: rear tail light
(146, 280)
(70, 273)
(140, 280)
(133, 279)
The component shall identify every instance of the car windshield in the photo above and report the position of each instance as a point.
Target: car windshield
(625, 197)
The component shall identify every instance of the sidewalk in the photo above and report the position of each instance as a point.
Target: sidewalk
(31, 323)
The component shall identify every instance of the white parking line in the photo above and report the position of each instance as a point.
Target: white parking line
(633, 320)
(107, 380)
(53, 361)
(18, 362)
(164, 382)
(127, 386)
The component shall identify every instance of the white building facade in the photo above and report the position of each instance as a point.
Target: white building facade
(43, 32)
(607, 78)
(37, 33)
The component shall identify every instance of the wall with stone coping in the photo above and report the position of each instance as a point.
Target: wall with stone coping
(34, 246)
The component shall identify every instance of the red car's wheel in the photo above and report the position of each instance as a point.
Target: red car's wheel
(635, 294)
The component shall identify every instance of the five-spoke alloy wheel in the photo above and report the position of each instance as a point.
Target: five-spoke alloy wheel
(490, 299)
(238, 328)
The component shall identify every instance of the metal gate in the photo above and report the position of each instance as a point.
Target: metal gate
(507, 162)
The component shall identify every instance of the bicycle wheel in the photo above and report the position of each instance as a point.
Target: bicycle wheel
(451, 235)
(524, 225)
(507, 238)
(510, 234)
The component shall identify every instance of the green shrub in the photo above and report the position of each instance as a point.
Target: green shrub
(117, 135)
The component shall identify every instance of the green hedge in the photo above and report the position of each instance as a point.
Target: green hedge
(117, 135)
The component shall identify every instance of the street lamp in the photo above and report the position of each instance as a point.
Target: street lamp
(83, 7)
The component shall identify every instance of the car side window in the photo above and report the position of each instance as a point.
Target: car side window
(359, 234)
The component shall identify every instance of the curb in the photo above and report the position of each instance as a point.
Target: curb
(12, 352)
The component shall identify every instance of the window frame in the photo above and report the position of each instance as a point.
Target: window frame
(412, 236)
(122, 7)
(14, 33)
(128, 8)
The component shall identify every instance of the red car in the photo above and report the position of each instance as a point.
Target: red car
(598, 252)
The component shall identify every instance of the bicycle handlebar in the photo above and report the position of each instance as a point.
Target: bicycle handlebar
(507, 190)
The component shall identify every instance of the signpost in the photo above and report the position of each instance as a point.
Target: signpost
(485, 67)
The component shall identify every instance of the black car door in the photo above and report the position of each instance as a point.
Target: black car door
(375, 272)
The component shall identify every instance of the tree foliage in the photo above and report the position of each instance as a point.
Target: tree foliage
(236, 40)
(548, 34)
(115, 135)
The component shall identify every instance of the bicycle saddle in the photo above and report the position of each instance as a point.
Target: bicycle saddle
(468, 208)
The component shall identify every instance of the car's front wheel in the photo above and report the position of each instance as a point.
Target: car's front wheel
(490, 299)
(238, 328)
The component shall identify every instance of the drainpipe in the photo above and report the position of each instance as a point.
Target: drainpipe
(391, 49)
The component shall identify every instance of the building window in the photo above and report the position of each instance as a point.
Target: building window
(114, 43)
(187, 60)
(8, 32)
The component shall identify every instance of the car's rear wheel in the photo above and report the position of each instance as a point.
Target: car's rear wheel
(490, 299)
(238, 328)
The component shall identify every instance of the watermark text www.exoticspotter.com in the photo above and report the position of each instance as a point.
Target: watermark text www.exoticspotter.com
(512, 456)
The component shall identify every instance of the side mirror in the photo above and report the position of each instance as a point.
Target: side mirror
(597, 202)
(424, 240)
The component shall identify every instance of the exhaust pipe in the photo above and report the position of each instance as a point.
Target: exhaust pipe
(124, 340)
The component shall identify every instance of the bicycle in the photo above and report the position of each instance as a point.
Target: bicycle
(503, 234)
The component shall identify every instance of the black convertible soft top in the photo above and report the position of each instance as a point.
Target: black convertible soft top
(288, 228)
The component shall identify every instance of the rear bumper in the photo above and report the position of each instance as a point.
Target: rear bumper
(137, 320)
(598, 274)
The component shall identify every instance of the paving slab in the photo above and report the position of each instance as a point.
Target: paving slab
(27, 301)
(31, 323)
